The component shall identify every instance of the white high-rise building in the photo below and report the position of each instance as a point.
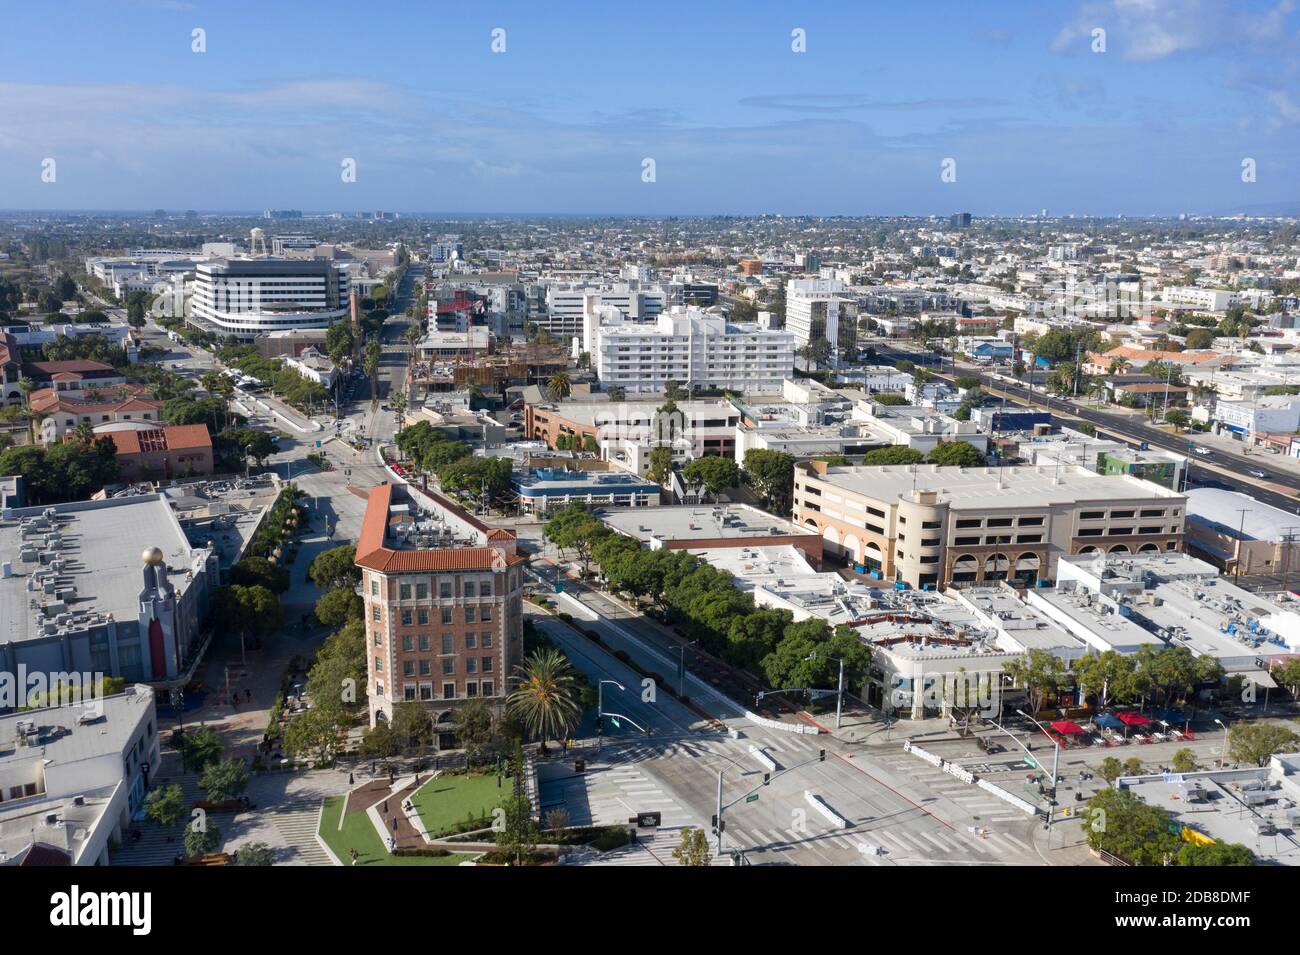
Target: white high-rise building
(568, 302)
(692, 347)
(815, 310)
(244, 297)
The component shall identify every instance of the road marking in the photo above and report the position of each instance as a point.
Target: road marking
(942, 848)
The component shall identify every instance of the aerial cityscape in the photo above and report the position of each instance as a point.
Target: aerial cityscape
(856, 439)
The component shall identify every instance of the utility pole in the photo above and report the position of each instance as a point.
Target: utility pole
(1241, 531)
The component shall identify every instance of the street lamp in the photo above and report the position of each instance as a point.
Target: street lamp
(839, 691)
(1056, 762)
(681, 672)
(600, 706)
(1224, 750)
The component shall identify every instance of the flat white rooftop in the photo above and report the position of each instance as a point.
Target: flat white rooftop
(699, 522)
(1021, 486)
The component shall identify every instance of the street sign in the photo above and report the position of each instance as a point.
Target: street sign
(752, 797)
(1031, 762)
(648, 820)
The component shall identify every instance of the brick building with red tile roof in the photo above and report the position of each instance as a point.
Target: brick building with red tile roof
(444, 617)
(160, 454)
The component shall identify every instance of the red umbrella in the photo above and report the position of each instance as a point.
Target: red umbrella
(1134, 719)
(1067, 727)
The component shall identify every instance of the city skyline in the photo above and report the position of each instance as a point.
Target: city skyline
(561, 121)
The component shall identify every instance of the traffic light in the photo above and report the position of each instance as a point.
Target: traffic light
(767, 778)
(821, 756)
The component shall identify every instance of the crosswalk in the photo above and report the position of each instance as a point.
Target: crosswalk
(652, 848)
(973, 801)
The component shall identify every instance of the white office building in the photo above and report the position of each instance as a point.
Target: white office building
(1206, 299)
(817, 310)
(245, 297)
(569, 303)
(695, 348)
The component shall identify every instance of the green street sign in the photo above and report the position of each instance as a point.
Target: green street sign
(615, 722)
(752, 797)
(1031, 761)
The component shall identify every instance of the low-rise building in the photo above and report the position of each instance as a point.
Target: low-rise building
(927, 526)
(723, 526)
(160, 454)
(62, 415)
(74, 596)
(545, 489)
(72, 778)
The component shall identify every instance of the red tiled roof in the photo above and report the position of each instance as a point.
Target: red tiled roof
(178, 437)
(8, 349)
(47, 399)
(373, 555)
(78, 365)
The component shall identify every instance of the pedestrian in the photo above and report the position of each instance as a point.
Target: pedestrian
(351, 781)
(248, 696)
(385, 807)
(353, 854)
(372, 768)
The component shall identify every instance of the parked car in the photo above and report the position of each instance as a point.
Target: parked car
(1256, 473)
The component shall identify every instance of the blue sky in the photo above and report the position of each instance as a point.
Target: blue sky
(710, 90)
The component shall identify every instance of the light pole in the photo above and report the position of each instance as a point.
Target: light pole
(681, 671)
(600, 707)
(839, 692)
(1224, 750)
(1056, 762)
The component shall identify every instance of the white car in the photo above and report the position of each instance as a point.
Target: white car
(1202, 451)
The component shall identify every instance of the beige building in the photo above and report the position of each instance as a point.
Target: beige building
(930, 527)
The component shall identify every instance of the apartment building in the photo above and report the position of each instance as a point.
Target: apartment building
(443, 614)
(568, 303)
(244, 297)
(1205, 299)
(693, 348)
(930, 527)
(62, 414)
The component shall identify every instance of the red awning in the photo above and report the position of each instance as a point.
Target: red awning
(1134, 719)
(1067, 727)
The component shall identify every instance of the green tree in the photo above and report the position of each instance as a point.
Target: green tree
(1110, 769)
(804, 657)
(545, 695)
(412, 724)
(224, 780)
(247, 610)
(474, 727)
(1120, 822)
(559, 385)
(894, 454)
(956, 454)
(1254, 743)
(573, 528)
(202, 841)
(1040, 673)
(713, 472)
(1215, 854)
(339, 606)
(255, 853)
(661, 464)
(1183, 761)
(694, 848)
(165, 806)
(258, 571)
(199, 748)
(771, 475)
(336, 567)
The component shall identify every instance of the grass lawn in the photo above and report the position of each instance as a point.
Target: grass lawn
(358, 833)
(447, 800)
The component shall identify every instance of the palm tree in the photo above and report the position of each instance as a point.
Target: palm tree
(545, 698)
(84, 432)
(559, 385)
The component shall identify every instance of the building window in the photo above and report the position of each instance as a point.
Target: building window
(379, 664)
(444, 590)
(448, 666)
(449, 691)
(408, 643)
(471, 665)
(471, 689)
(448, 643)
(487, 687)
(486, 664)
(374, 614)
(424, 641)
(406, 618)
(486, 641)
(471, 641)
(374, 586)
(423, 617)
(426, 691)
(469, 588)
(408, 668)
(421, 591)
(408, 691)
(404, 591)
(446, 615)
(471, 614)
(425, 669)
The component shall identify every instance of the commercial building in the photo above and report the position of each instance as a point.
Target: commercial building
(569, 303)
(443, 613)
(628, 431)
(74, 379)
(1241, 535)
(693, 348)
(544, 489)
(781, 578)
(72, 778)
(722, 526)
(74, 595)
(63, 415)
(821, 310)
(1268, 414)
(245, 297)
(929, 527)
(160, 454)
(1202, 299)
